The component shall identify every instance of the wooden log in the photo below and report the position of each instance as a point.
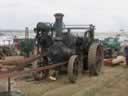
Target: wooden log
(12, 60)
(18, 60)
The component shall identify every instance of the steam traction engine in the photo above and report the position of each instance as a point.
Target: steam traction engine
(64, 50)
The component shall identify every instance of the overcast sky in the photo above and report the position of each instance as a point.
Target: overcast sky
(106, 15)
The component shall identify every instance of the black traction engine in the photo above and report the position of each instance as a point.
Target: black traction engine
(58, 43)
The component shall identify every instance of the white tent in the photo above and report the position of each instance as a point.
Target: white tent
(6, 40)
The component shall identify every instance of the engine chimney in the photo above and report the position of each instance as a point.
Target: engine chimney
(58, 25)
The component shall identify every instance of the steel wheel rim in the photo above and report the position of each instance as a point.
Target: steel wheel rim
(99, 58)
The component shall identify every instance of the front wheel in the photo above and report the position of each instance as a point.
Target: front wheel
(73, 68)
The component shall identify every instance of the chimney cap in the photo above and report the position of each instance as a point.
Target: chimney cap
(59, 14)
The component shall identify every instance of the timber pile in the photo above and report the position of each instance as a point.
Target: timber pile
(7, 53)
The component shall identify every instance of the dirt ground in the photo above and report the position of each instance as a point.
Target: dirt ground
(113, 81)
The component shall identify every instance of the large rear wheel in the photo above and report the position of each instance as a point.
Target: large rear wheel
(95, 58)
